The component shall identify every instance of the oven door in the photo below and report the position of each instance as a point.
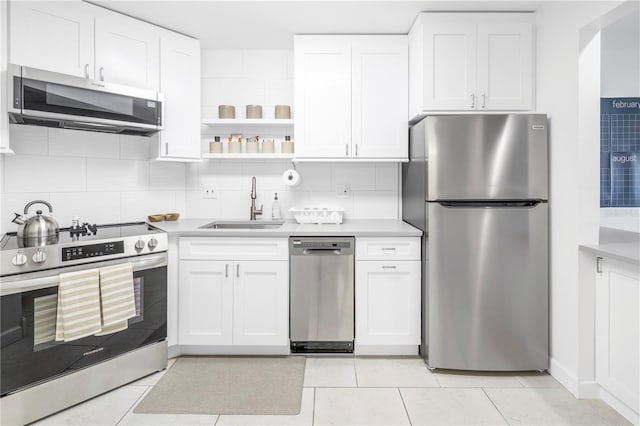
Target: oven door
(29, 352)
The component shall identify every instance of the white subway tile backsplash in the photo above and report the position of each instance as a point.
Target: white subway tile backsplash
(357, 176)
(264, 64)
(76, 143)
(32, 173)
(315, 177)
(164, 176)
(137, 205)
(387, 177)
(221, 63)
(92, 207)
(136, 147)
(197, 206)
(279, 92)
(375, 205)
(117, 175)
(29, 140)
(221, 174)
(268, 175)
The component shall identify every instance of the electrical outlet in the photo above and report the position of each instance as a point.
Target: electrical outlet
(209, 192)
(344, 191)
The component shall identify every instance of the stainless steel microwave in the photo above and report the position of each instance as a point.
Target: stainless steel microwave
(47, 98)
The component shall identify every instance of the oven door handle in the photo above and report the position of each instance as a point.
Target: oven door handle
(45, 279)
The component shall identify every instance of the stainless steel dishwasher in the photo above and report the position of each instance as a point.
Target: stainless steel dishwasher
(322, 294)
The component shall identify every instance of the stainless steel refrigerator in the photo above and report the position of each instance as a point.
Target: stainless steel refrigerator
(477, 185)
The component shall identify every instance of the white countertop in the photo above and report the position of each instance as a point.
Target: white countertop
(350, 227)
(615, 243)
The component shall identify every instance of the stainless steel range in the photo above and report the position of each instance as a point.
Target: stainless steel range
(35, 366)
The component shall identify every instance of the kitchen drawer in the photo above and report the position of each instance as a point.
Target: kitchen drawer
(207, 248)
(387, 248)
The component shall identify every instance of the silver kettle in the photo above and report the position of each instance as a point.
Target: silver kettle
(38, 230)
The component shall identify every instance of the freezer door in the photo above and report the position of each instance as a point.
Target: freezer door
(488, 287)
(477, 157)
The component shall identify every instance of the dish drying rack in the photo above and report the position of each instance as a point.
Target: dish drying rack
(317, 215)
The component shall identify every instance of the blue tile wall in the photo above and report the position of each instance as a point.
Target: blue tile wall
(619, 152)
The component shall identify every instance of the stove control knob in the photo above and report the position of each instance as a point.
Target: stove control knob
(39, 256)
(19, 259)
(153, 243)
(140, 245)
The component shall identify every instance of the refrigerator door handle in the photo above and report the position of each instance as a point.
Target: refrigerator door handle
(489, 204)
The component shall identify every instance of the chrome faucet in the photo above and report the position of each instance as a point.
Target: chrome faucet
(254, 212)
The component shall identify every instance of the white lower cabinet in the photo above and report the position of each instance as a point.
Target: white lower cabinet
(388, 303)
(232, 302)
(387, 294)
(205, 303)
(618, 334)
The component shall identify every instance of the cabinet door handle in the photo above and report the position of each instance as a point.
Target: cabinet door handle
(599, 264)
(473, 101)
(484, 100)
(346, 149)
(101, 73)
(388, 267)
(226, 270)
(238, 270)
(86, 70)
(356, 150)
(166, 148)
(388, 249)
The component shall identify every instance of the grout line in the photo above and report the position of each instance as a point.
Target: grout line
(130, 409)
(495, 406)
(313, 408)
(405, 406)
(355, 372)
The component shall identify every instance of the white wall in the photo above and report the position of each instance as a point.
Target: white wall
(101, 177)
(621, 78)
(558, 27)
(265, 77)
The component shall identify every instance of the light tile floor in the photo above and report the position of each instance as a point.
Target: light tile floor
(377, 391)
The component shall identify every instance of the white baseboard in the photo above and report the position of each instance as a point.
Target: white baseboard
(385, 350)
(589, 390)
(234, 350)
(564, 376)
(620, 407)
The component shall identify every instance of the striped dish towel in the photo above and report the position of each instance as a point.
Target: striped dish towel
(117, 297)
(44, 318)
(78, 305)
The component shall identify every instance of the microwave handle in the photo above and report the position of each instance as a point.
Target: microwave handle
(14, 284)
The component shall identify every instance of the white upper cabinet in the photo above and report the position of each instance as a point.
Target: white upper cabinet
(379, 96)
(471, 62)
(48, 36)
(322, 95)
(80, 39)
(351, 97)
(127, 51)
(180, 84)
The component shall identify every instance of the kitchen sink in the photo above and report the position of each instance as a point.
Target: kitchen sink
(243, 224)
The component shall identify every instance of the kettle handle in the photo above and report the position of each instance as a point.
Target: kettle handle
(26, 208)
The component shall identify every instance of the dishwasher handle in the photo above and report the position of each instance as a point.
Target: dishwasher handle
(321, 251)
